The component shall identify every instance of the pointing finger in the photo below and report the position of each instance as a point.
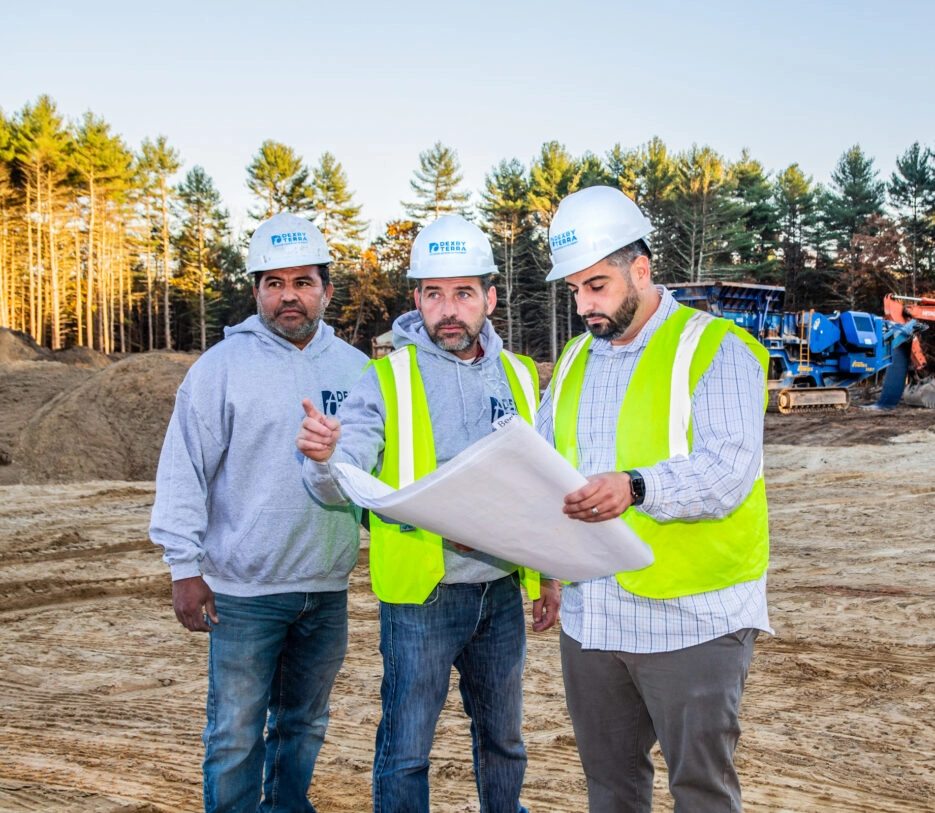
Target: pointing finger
(310, 409)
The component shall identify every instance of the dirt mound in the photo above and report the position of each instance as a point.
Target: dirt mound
(83, 357)
(18, 346)
(110, 427)
(25, 388)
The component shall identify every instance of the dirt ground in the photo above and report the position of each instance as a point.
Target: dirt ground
(102, 691)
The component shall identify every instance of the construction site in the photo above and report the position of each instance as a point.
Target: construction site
(103, 691)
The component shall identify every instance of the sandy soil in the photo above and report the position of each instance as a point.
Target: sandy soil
(102, 691)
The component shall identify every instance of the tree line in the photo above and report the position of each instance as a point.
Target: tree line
(108, 247)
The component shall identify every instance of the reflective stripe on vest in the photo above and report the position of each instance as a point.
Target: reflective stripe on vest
(406, 565)
(400, 363)
(690, 556)
(680, 404)
(528, 380)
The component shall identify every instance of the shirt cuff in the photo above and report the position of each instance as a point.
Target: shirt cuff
(185, 570)
(322, 482)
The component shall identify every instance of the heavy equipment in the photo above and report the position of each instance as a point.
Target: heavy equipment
(909, 362)
(814, 357)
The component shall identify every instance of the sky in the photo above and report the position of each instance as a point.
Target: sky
(376, 83)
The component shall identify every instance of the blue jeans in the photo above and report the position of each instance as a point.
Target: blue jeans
(480, 629)
(272, 662)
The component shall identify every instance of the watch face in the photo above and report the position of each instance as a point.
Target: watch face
(637, 488)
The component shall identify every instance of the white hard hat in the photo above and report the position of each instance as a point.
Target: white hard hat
(590, 225)
(451, 247)
(285, 241)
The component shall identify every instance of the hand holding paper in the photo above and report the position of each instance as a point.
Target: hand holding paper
(504, 496)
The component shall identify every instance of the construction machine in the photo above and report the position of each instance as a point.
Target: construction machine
(910, 363)
(814, 357)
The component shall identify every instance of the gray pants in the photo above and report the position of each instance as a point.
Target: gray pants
(620, 703)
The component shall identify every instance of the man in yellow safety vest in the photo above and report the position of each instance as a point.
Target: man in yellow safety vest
(661, 407)
(441, 604)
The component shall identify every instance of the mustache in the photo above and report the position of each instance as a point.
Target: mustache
(451, 323)
(291, 307)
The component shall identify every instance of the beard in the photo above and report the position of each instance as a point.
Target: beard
(454, 344)
(296, 331)
(616, 325)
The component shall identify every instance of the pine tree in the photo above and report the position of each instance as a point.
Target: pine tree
(40, 147)
(706, 220)
(507, 216)
(278, 177)
(437, 185)
(203, 227)
(394, 249)
(854, 198)
(648, 175)
(756, 250)
(912, 191)
(7, 198)
(553, 175)
(855, 195)
(104, 166)
(162, 162)
(795, 203)
(336, 214)
(592, 172)
(364, 301)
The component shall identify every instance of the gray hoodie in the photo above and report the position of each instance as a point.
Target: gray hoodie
(230, 503)
(464, 398)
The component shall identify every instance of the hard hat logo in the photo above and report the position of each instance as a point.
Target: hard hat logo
(448, 247)
(560, 241)
(289, 237)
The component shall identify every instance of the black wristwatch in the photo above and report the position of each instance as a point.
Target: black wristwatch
(637, 487)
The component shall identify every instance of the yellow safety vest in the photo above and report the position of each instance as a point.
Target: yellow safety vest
(691, 556)
(406, 565)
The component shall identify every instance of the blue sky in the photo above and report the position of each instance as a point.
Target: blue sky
(377, 83)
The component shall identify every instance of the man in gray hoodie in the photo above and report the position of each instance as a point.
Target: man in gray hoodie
(254, 561)
(441, 604)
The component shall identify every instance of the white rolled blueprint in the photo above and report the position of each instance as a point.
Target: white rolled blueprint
(504, 496)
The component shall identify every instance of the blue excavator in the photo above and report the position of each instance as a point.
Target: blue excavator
(815, 358)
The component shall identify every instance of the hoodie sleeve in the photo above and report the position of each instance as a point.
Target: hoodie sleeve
(190, 457)
(363, 419)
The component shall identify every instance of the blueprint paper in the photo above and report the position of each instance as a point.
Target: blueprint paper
(504, 496)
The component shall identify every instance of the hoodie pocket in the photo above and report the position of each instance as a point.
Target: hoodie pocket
(289, 545)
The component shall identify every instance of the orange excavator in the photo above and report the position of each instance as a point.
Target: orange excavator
(921, 390)
(903, 308)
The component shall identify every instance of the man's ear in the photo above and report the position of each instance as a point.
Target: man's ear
(491, 299)
(640, 272)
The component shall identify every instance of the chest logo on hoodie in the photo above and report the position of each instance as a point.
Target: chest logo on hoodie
(331, 401)
(500, 407)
